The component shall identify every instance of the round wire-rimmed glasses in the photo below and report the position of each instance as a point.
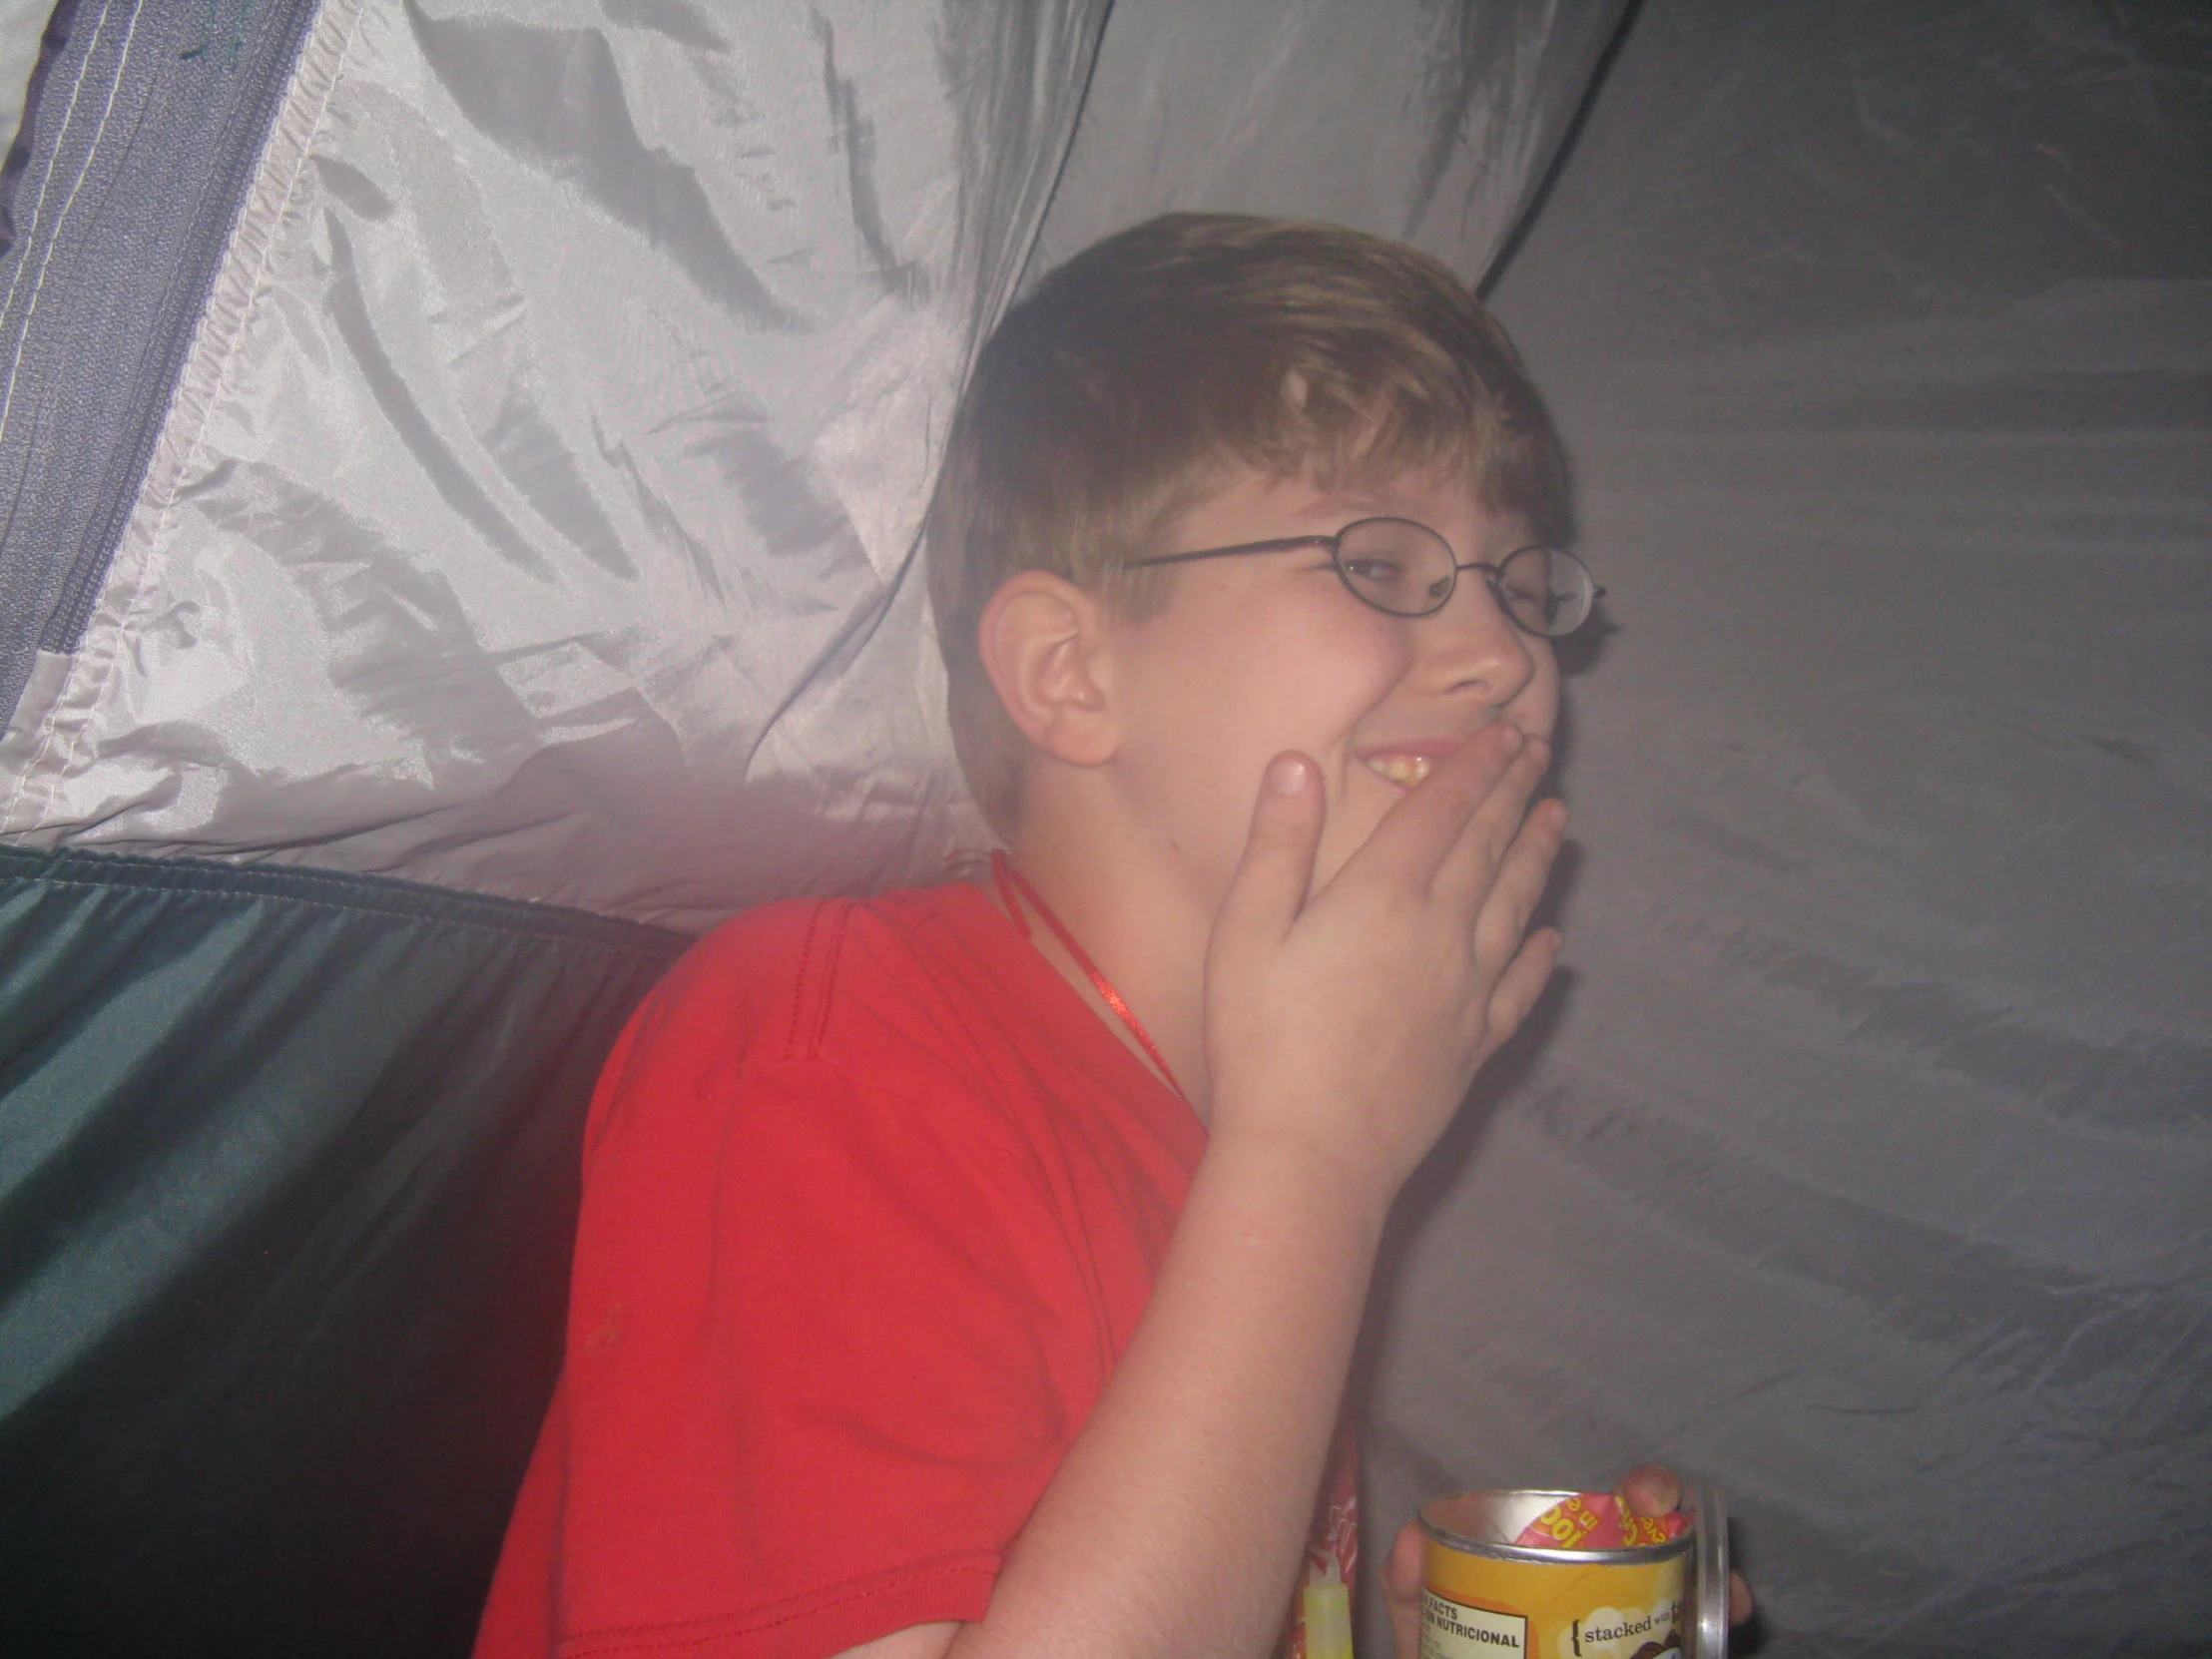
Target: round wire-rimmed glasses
(1402, 567)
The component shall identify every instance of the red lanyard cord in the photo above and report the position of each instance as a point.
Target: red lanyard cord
(1009, 879)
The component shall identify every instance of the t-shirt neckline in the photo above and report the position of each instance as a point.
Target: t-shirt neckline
(1030, 973)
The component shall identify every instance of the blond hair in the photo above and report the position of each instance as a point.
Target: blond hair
(1148, 368)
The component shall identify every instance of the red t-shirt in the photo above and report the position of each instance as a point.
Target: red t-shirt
(873, 1204)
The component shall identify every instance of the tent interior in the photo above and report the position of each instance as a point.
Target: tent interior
(465, 464)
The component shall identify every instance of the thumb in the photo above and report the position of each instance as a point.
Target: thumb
(1401, 1591)
(1269, 885)
(1401, 1568)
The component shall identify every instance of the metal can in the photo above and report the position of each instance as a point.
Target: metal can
(1486, 1595)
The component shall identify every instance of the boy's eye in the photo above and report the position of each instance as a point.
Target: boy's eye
(1407, 587)
(1395, 565)
(1525, 587)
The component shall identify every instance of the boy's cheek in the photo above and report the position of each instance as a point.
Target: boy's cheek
(1537, 708)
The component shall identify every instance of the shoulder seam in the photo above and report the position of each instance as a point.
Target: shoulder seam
(817, 966)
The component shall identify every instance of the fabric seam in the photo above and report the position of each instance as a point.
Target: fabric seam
(86, 688)
(27, 238)
(524, 926)
(38, 208)
(384, 912)
(817, 966)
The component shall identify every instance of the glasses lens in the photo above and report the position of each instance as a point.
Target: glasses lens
(1396, 564)
(1548, 591)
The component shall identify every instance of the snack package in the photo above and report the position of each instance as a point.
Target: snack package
(1599, 1520)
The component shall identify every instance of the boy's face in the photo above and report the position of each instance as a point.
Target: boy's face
(1259, 653)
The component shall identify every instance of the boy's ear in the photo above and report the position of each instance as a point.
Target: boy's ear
(1040, 638)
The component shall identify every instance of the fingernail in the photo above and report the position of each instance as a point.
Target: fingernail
(1514, 738)
(1286, 775)
(1540, 749)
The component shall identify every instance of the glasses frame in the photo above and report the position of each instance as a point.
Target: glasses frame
(1492, 574)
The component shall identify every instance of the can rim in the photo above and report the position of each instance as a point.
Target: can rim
(1635, 1555)
(1705, 1501)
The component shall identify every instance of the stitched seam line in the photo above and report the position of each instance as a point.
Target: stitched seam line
(212, 884)
(384, 912)
(817, 959)
(61, 220)
(101, 673)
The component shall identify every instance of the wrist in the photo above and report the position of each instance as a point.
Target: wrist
(1301, 1177)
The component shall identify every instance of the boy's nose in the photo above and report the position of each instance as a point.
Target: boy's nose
(1471, 647)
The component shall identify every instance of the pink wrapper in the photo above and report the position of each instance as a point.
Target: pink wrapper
(1599, 1520)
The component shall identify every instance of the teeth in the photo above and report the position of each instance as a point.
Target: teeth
(1402, 768)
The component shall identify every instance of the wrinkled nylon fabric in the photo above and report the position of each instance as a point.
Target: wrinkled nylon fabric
(1432, 124)
(141, 132)
(21, 23)
(1866, 1166)
(286, 1193)
(537, 510)
(547, 466)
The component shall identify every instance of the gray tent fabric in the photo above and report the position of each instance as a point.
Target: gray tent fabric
(534, 515)
(1869, 1167)
(1431, 124)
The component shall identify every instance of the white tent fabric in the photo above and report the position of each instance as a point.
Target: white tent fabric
(564, 406)
(21, 21)
(537, 507)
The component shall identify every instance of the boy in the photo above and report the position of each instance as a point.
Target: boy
(974, 1271)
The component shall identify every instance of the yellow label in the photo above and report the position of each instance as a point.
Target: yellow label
(1482, 1607)
(1450, 1631)
(1624, 1632)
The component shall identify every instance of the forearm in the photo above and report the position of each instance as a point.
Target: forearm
(1174, 1526)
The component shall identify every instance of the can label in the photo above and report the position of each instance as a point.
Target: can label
(1455, 1630)
(1627, 1632)
(1496, 1583)
(1452, 1631)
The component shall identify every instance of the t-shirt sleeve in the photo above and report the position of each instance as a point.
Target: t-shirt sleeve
(827, 1345)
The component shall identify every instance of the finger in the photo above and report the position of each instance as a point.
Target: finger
(1401, 1591)
(1472, 864)
(1402, 1571)
(1519, 989)
(1650, 1489)
(1517, 886)
(1420, 832)
(1740, 1604)
(1272, 877)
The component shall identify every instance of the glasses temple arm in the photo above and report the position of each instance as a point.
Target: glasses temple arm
(1282, 544)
